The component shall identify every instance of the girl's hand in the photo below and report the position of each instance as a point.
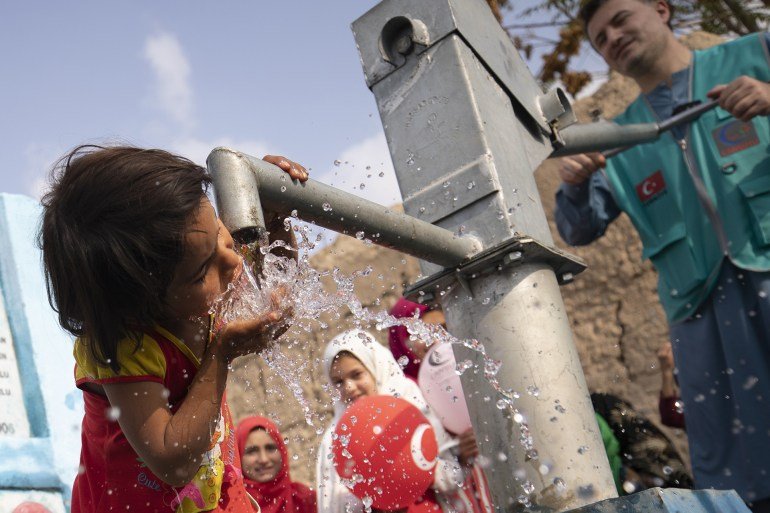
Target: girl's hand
(296, 171)
(469, 451)
(275, 225)
(246, 336)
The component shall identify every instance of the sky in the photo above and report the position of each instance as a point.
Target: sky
(280, 77)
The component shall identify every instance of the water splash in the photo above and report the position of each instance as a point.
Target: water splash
(250, 294)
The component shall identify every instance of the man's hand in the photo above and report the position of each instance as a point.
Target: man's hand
(576, 169)
(744, 97)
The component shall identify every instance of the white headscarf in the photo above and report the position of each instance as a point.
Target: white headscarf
(333, 496)
(388, 376)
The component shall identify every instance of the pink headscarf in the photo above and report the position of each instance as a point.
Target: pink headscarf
(398, 336)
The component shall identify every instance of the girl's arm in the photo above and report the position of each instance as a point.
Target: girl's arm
(172, 444)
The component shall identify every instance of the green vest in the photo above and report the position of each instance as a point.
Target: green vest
(697, 200)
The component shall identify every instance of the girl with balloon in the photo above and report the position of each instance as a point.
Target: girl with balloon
(430, 362)
(382, 427)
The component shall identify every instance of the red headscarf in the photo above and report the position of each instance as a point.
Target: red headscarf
(280, 495)
(399, 335)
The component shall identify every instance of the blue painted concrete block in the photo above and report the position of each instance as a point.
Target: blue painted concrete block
(49, 456)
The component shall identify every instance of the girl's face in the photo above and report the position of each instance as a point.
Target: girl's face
(261, 459)
(208, 265)
(351, 378)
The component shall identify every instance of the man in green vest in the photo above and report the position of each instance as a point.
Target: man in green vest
(699, 198)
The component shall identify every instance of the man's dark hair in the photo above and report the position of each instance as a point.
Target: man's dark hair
(589, 7)
(112, 236)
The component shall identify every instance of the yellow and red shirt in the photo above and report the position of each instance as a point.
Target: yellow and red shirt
(112, 476)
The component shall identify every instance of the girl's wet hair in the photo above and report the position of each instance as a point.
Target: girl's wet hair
(112, 235)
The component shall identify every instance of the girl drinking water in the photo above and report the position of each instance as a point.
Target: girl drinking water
(134, 257)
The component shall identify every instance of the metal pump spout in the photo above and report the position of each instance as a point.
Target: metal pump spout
(237, 195)
(245, 185)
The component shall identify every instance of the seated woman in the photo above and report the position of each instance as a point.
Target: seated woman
(265, 465)
(358, 366)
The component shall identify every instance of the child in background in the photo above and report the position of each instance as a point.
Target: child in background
(265, 464)
(669, 403)
(134, 256)
(409, 353)
(357, 366)
(412, 351)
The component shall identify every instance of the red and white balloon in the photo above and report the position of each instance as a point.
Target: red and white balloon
(385, 449)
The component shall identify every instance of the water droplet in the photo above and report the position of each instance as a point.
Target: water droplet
(582, 449)
(283, 188)
(381, 174)
(518, 418)
(422, 209)
(485, 301)
(750, 382)
(586, 491)
(471, 185)
(446, 184)
(501, 404)
(533, 391)
(360, 235)
(464, 366)
(362, 186)
(667, 470)
(368, 168)
(326, 207)
(699, 398)
(295, 457)
(112, 413)
(501, 456)
(337, 163)
(403, 361)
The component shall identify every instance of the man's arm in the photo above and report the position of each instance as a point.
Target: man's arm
(584, 203)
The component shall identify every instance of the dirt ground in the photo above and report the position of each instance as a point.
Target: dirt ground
(616, 319)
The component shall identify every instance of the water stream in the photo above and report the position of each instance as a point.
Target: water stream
(250, 295)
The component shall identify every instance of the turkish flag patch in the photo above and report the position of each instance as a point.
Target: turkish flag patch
(651, 187)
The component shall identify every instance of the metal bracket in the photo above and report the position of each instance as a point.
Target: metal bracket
(513, 252)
